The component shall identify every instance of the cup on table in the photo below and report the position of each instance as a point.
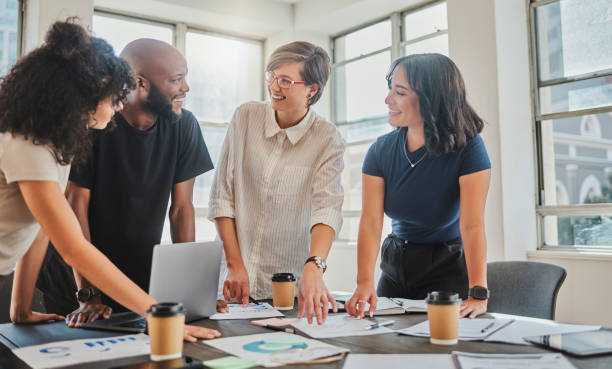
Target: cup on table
(283, 291)
(165, 323)
(443, 315)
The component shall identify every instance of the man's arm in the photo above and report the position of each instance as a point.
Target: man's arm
(182, 212)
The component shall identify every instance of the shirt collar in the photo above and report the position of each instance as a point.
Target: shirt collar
(295, 133)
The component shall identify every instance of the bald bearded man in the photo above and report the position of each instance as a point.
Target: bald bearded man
(120, 197)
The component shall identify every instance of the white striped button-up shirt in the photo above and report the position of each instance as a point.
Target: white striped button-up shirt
(277, 184)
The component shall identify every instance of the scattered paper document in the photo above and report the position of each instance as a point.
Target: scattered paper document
(469, 329)
(513, 361)
(65, 353)
(341, 325)
(275, 349)
(230, 362)
(252, 311)
(399, 361)
(386, 305)
(526, 327)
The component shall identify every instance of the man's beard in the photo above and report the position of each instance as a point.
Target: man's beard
(158, 104)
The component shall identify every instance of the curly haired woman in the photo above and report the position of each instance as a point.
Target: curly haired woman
(48, 102)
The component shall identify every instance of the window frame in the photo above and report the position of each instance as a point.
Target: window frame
(179, 31)
(542, 211)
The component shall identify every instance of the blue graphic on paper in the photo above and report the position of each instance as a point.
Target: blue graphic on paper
(56, 351)
(262, 348)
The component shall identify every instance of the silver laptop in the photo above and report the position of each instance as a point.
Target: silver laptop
(181, 272)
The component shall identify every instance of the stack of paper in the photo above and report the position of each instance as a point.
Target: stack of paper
(275, 349)
(252, 311)
(514, 361)
(399, 361)
(341, 325)
(386, 305)
(65, 353)
(526, 327)
(469, 329)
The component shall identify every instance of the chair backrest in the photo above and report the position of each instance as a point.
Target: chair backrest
(524, 288)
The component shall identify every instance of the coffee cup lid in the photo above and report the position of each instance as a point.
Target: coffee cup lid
(443, 298)
(166, 309)
(283, 277)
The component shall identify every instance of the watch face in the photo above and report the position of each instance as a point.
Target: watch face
(480, 293)
(83, 294)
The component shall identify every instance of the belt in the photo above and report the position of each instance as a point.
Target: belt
(407, 242)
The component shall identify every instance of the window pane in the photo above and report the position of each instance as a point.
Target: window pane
(577, 160)
(119, 31)
(213, 136)
(9, 21)
(573, 37)
(366, 40)
(590, 93)
(424, 22)
(438, 44)
(578, 231)
(223, 73)
(360, 88)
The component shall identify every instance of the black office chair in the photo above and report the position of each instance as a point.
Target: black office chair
(524, 288)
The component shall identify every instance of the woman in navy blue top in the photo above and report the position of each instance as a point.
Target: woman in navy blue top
(431, 177)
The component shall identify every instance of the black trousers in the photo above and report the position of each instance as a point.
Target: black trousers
(56, 281)
(411, 270)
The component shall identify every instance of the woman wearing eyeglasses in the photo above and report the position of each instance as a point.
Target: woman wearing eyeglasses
(277, 197)
(431, 177)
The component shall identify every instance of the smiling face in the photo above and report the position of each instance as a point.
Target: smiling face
(170, 85)
(105, 111)
(403, 102)
(294, 97)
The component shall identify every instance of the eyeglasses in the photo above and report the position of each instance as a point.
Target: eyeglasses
(283, 82)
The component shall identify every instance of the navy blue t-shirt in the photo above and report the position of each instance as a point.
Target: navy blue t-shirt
(423, 202)
(131, 174)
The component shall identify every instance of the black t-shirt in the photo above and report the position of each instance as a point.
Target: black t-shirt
(131, 174)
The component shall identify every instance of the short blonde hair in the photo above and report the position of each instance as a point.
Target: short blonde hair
(315, 64)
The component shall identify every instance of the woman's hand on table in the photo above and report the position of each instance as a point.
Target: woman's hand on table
(471, 308)
(355, 306)
(222, 306)
(192, 333)
(236, 285)
(31, 317)
(313, 295)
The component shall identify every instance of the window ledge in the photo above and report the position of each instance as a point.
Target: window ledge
(598, 255)
(344, 244)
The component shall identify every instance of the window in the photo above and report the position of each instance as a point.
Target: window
(224, 72)
(361, 59)
(10, 27)
(573, 121)
(120, 31)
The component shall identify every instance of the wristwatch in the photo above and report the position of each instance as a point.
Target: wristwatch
(479, 293)
(319, 262)
(85, 294)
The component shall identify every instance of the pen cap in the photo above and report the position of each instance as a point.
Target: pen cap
(283, 277)
(443, 298)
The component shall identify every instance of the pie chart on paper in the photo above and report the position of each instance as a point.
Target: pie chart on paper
(268, 347)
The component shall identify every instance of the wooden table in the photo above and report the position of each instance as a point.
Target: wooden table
(12, 336)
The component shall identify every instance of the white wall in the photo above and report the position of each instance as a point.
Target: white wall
(40, 14)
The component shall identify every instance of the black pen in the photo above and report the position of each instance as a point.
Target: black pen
(254, 301)
(280, 329)
(487, 327)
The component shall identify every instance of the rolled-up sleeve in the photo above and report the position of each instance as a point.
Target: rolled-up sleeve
(221, 199)
(328, 193)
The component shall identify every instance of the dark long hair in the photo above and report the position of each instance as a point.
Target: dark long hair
(49, 94)
(448, 120)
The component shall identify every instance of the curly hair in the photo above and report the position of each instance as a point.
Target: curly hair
(49, 94)
(448, 120)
